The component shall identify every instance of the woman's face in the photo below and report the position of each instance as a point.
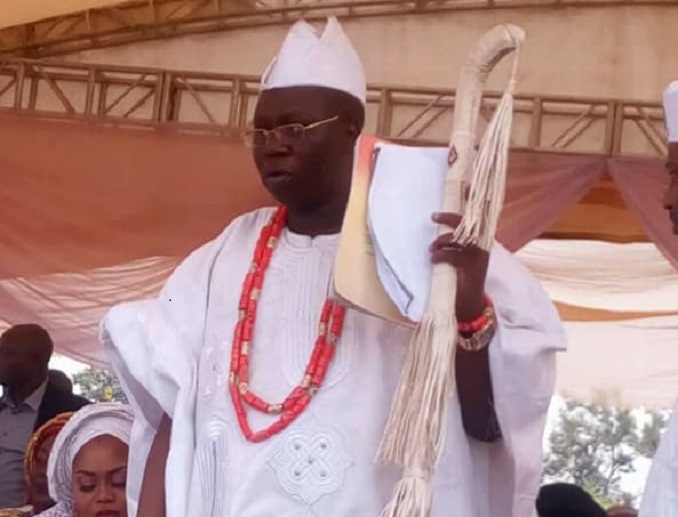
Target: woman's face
(99, 479)
(39, 494)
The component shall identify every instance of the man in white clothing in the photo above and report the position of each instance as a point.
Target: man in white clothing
(661, 491)
(258, 394)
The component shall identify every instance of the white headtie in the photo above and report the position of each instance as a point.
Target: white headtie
(309, 59)
(87, 424)
(671, 111)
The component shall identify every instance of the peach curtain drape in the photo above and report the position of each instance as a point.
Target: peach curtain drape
(91, 216)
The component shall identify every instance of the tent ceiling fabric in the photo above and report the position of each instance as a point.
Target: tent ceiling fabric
(600, 215)
(101, 197)
(605, 276)
(573, 313)
(100, 215)
(17, 12)
(624, 363)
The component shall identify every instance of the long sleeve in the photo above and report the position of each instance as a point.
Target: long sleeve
(523, 369)
(154, 346)
(661, 491)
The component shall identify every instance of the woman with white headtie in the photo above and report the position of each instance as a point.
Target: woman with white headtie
(87, 468)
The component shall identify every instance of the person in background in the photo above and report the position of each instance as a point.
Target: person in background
(87, 468)
(566, 500)
(671, 111)
(28, 401)
(60, 380)
(661, 490)
(35, 463)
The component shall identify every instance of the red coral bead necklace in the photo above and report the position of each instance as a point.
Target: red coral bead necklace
(329, 332)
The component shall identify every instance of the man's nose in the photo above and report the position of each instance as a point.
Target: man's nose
(670, 196)
(275, 147)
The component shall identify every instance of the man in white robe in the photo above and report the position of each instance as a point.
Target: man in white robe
(661, 491)
(173, 353)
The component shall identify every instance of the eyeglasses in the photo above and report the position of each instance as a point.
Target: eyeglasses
(288, 134)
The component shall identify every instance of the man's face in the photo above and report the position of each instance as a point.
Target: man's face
(16, 361)
(671, 197)
(299, 171)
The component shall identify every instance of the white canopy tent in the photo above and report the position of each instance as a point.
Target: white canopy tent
(628, 355)
(630, 362)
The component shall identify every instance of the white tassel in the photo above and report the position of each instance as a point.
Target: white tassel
(415, 431)
(486, 196)
(419, 413)
(411, 497)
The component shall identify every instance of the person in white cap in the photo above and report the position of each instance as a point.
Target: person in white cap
(660, 498)
(262, 396)
(671, 116)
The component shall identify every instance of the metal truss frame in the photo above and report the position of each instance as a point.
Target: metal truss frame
(217, 103)
(140, 20)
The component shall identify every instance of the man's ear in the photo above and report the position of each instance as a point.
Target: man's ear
(354, 128)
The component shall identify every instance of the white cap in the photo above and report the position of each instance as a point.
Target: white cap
(671, 111)
(309, 59)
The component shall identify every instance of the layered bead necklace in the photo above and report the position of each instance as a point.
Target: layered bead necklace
(329, 332)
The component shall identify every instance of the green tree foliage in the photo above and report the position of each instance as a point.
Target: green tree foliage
(594, 447)
(99, 385)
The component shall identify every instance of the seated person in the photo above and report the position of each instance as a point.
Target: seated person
(60, 381)
(87, 469)
(29, 399)
(35, 463)
(566, 500)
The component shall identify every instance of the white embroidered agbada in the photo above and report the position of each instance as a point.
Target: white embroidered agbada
(173, 354)
(660, 498)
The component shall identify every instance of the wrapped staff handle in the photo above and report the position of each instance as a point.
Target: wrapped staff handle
(492, 47)
(415, 431)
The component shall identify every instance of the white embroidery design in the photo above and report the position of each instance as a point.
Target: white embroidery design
(213, 370)
(307, 513)
(299, 325)
(213, 459)
(310, 463)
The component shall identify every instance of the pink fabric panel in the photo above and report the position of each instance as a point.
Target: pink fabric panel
(642, 183)
(540, 188)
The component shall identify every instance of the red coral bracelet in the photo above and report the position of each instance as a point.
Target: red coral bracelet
(481, 321)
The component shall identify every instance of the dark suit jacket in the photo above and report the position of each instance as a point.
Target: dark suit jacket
(57, 401)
